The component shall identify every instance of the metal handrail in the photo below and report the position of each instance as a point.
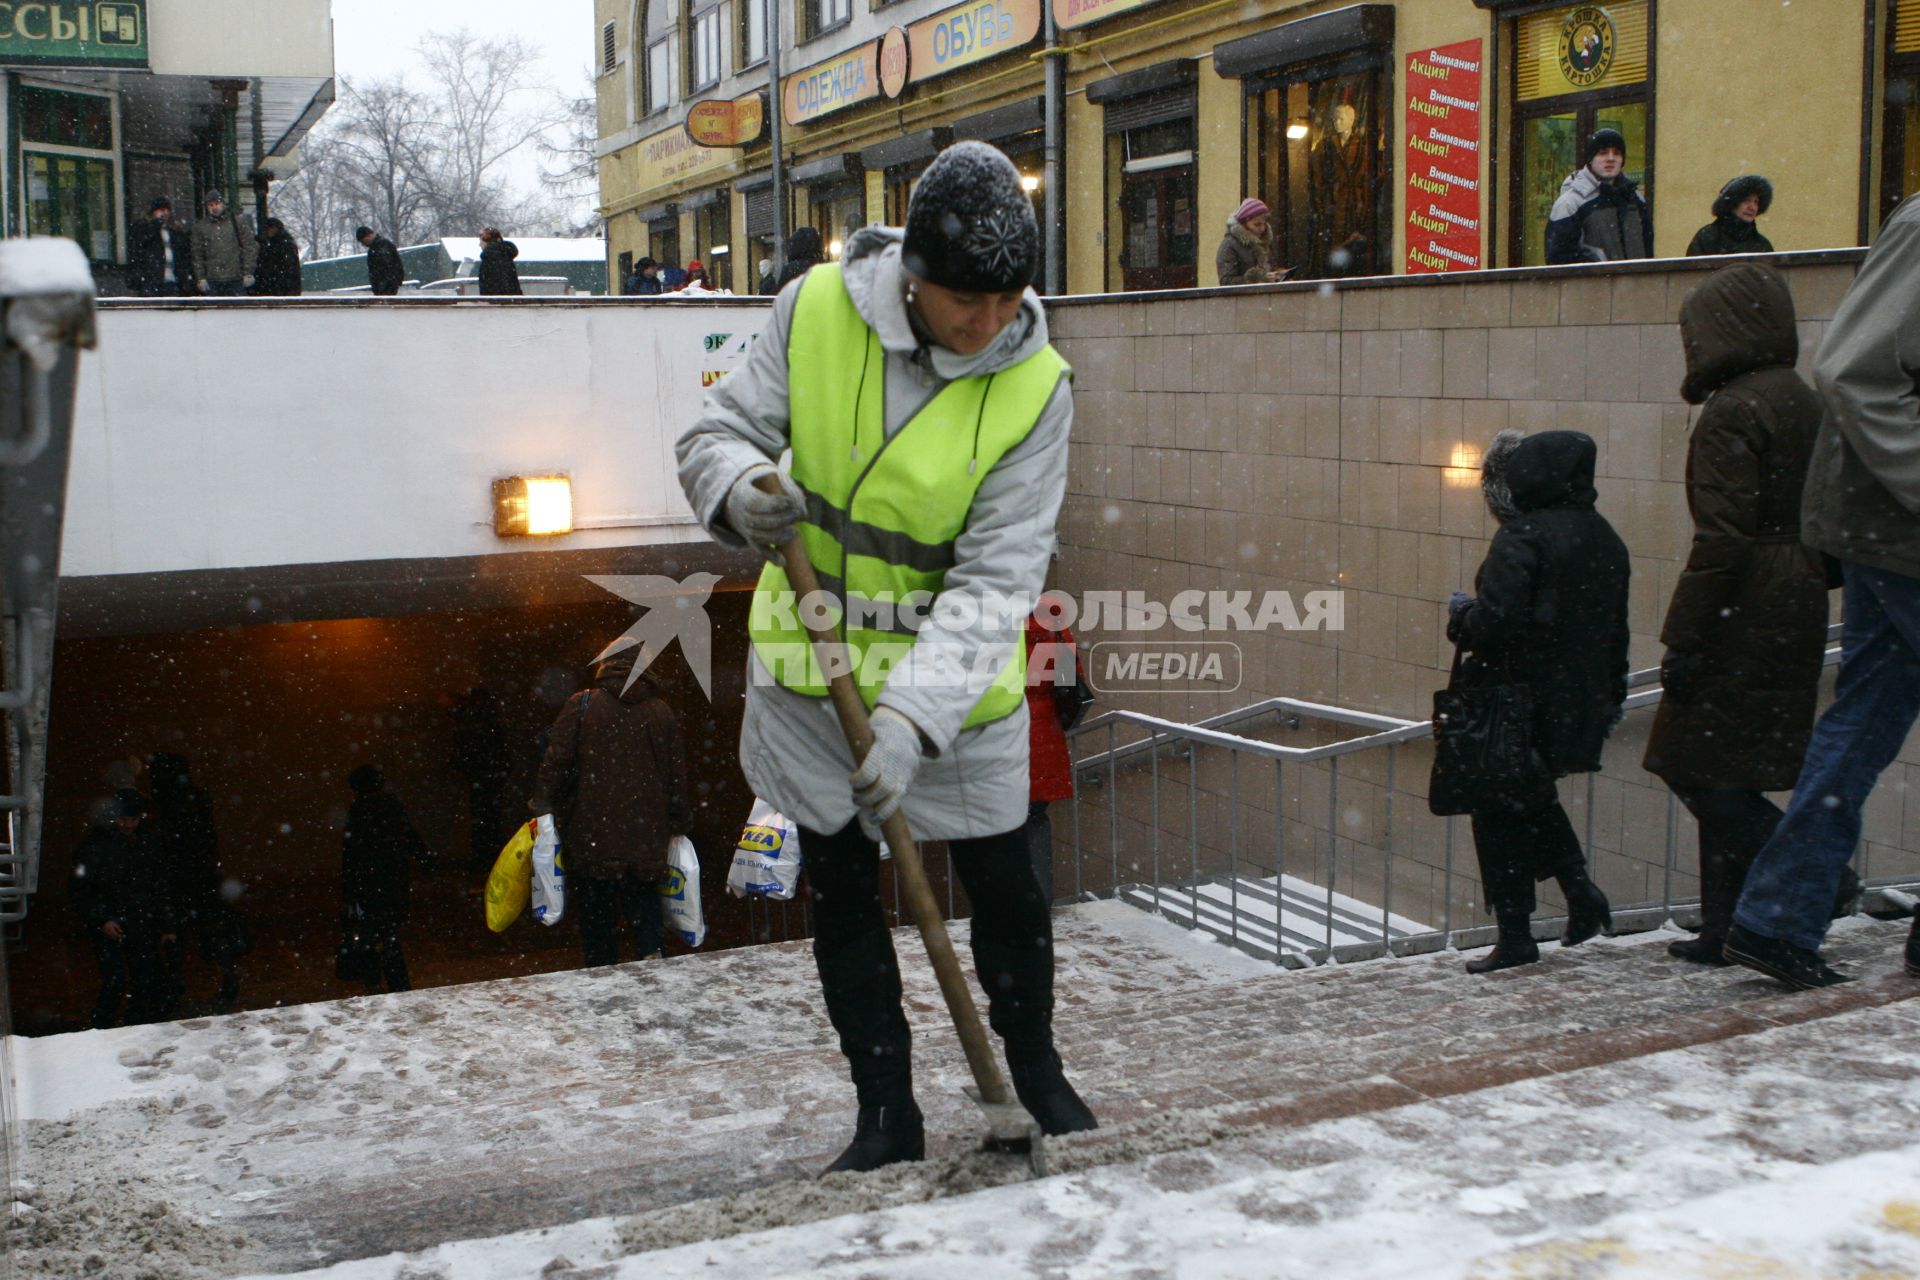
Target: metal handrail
(1391, 733)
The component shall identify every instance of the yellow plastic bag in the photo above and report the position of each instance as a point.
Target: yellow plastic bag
(511, 883)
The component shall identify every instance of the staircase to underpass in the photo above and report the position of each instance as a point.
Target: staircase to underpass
(625, 1110)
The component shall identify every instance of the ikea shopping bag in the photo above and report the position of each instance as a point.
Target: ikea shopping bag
(680, 893)
(766, 859)
(510, 884)
(549, 872)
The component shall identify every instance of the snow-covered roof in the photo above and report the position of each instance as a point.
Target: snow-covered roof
(533, 248)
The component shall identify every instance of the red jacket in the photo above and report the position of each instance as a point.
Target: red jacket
(1050, 768)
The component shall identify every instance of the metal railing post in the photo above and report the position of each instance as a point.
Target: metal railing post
(1386, 893)
(1333, 843)
(1279, 861)
(1673, 838)
(1113, 812)
(1233, 845)
(1153, 760)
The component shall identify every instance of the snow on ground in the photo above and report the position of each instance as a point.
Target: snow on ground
(665, 1119)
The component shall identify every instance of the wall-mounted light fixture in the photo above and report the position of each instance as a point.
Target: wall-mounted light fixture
(1029, 182)
(833, 249)
(719, 251)
(1297, 128)
(532, 506)
(1463, 467)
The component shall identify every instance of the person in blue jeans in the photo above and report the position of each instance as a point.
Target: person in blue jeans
(1862, 505)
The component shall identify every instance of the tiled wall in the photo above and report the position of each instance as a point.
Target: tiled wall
(1301, 438)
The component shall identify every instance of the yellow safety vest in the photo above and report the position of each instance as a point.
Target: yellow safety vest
(883, 515)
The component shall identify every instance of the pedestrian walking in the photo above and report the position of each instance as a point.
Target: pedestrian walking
(1747, 626)
(1600, 215)
(498, 276)
(1736, 215)
(224, 250)
(376, 879)
(1057, 696)
(385, 272)
(278, 274)
(1863, 490)
(159, 254)
(803, 251)
(1548, 617)
(1246, 252)
(614, 776)
(121, 890)
(928, 419)
(189, 846)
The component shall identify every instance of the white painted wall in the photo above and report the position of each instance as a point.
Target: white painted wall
(245, 435)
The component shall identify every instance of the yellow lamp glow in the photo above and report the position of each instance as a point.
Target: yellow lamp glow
(532, 506)
(1029, 183)
(1298, 128)
(1463, 467)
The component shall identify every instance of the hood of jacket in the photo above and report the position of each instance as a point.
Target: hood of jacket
(877, 285)
(1241, 232)
(1493, 475)
(507, 247)
(1734, 194)
(1551, 469)
(1740, 319)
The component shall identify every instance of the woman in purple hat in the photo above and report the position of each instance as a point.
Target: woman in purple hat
(1246, 251)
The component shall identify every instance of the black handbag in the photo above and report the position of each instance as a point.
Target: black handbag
(1072, 697)
(1485, 751)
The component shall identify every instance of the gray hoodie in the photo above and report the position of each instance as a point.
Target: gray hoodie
(791, 748)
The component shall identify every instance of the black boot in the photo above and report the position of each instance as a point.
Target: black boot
(883, 1135)
(1043, 1089)
(1588, 911)
(1707, 949)
(1797, 967)
(1515, 948)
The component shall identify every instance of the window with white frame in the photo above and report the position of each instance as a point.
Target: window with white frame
(705, 70)
(824, 15)
(659, 71)
(753, 31)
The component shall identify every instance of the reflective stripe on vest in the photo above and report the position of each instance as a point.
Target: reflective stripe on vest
(883, 515)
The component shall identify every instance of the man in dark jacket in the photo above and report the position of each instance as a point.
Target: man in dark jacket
(645, 280)
(159, 254)
(224, 250)
(1548, 613)
(1862, 505)
(376, 864)
(385, 272)
(1600, 216)
(803, 251)
(1748, 623)
(499, 278)
(616, 747)
(1736, 214)
(120, 888)
(184, 831)
(278, 275)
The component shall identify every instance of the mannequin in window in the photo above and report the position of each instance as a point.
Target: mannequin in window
(1341, 170)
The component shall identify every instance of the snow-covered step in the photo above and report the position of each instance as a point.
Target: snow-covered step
(1252, 914)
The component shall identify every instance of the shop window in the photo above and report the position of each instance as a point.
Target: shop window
(1157, 236)
(1900, 125)
(72, 196)
(825, 15)
(1319, 161)
(659, 76)
(65, 119)
(753, 31)
(837, 214)
(1576, 70)
(703, 46)
(663, 241)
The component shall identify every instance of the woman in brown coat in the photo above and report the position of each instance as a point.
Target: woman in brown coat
(616, 747)
(1747, 625)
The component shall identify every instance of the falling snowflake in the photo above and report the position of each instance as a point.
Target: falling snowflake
(996, 242)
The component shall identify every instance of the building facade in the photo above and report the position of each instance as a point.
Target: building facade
(1399, 136)
(106, 105)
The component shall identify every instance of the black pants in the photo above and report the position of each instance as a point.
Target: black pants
(1039, 830)
(131, 968)
(1734, 825)
(602, 905)
(1521, 844)
(389, 967)
(860, 975)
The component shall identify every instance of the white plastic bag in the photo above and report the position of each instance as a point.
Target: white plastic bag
(680, 893)
(766, 858)
(549, 872)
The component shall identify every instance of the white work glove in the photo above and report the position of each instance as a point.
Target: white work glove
(203, 286)
(247, 281)
(765, 520)
(881, 781)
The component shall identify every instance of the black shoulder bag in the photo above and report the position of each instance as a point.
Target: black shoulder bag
(1485, 748)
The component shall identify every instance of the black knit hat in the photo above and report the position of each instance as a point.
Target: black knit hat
(970, 225)
(363, 233)
(159, 203)
(1735, 193)
(1602, 139)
